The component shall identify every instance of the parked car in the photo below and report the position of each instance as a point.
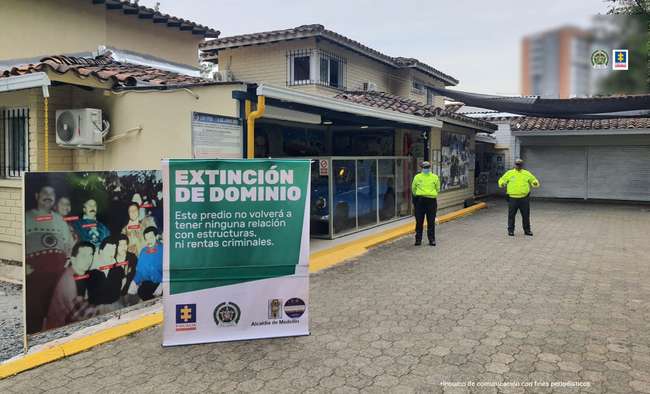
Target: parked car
(351, 196)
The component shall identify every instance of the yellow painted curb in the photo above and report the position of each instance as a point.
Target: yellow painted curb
(317, 261)
(329, 257)
(78, 345)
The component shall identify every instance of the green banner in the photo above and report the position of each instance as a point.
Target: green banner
(234, 221)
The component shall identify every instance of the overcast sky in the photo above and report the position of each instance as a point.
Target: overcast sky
(476, 41)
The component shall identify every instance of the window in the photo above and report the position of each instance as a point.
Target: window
(418, 87)
(14, 148)
(331, 70)
(301, 68)
(430, 96)
(312, 66)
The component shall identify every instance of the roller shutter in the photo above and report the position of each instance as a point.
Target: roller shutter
(619, 172)
(561, 170)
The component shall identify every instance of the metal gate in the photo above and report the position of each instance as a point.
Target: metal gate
(561, 170)
(595, 172)
(619, 173)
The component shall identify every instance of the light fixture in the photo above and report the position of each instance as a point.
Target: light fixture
(364, 127)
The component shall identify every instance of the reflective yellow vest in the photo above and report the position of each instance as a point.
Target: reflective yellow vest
(519, 182)
(425, 185)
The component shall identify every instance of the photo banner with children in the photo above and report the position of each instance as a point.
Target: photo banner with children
(92, 244)
(237, 250)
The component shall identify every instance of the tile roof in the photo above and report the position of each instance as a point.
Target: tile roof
(155, 16)
(529, 123)
(412, 107)
(106, 69)
(453, 107)
(211, 48)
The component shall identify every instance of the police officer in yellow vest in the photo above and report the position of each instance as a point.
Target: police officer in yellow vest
(425, 188)
(518, 182)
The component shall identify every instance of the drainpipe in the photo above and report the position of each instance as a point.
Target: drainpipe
(46, 130)
(245, 109)
(250, 125)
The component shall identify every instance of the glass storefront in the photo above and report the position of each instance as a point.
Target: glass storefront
(350, 194)
(361, 176)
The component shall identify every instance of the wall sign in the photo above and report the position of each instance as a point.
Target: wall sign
(216, 137)
(323, 167)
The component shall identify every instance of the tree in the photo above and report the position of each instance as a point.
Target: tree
(632, 35)
(629, 7)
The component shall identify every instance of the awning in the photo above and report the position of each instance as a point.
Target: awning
(577, 108)
(26, 81)
(331, 104)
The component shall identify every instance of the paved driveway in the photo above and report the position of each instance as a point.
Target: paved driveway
(571, 304)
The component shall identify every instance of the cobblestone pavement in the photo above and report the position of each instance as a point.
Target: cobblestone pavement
(571, 304)
(11, 328)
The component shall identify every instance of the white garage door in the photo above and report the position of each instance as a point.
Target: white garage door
(561, 170)
(619, 172)
(597, 172)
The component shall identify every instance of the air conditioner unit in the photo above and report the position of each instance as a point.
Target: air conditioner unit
(369, 86)
(224, 76)
(81, 128)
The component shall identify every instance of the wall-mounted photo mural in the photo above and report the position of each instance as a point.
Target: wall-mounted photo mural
(455, 161)
(92, 244)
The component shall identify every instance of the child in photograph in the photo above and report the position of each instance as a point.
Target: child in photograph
(148, 275)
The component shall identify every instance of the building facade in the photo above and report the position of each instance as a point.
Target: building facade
(557, 63)
(312, 59)
(79, 27)
(74, 30)
(373, 141)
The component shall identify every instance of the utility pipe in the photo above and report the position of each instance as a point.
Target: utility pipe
(46, 130)
(247, 111)
(250, 126)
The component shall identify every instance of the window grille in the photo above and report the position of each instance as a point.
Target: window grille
(14, 142)
(316, 67)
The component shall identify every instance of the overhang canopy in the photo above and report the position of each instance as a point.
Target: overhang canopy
(104, 69)
(404, 105)
(576, 108)
(27, 81)
(337, 105)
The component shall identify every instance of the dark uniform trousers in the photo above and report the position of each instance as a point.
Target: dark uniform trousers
(523, 205)
(425, 207)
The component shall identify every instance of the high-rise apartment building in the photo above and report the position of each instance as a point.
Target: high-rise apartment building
(557, 63)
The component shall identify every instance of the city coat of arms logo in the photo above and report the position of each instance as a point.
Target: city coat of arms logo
(227, 314)
(275, 308)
